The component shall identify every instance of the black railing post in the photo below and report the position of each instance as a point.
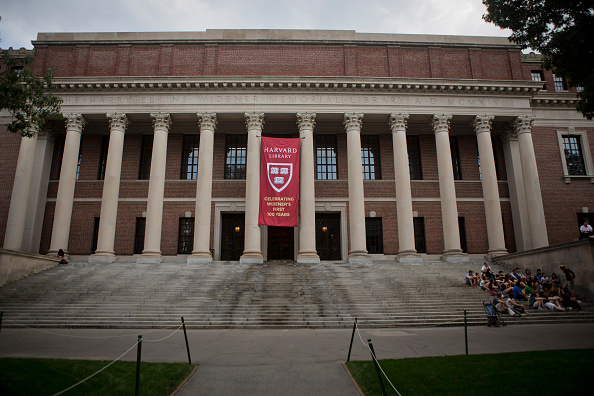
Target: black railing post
(186, 337)
(466, 332)
(377, 368)
(138, 354)
(352, 338)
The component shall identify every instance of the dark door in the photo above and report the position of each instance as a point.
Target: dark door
(280, 243)
(232, 236)
(328, 236)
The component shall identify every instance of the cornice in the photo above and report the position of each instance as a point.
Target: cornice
(267, 84)
(554, 100)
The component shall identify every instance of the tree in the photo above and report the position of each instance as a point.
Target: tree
(561, 30)
(24, 95)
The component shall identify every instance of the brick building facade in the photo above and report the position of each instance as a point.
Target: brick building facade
(410, 144)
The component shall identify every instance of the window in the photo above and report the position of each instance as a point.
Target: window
(462, 229)
(370, 157)
(103, 157)
(139, 235)
(414, 157)
(574, 158)
(235, 156)
(538, 75)
(455, 150)
(146, 152)
(559, 83)
(79, 158)
(185, 239)
(374, 237)
(189, 169)
(326, 160)
(95, 234)
(419, 229)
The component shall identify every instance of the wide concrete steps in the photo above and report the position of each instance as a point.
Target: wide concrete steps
(269, 295)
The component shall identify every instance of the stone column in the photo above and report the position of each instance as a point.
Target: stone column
(404, 211)
(15, 223)
(307, 200)
(252, 249)
(201, 252)
(111, 190)
(65, 198)
(536, 218)
(494, 223)
(358, 251)
(447, 189)
(156, 190)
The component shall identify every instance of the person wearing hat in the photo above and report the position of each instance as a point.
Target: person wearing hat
(586, 230)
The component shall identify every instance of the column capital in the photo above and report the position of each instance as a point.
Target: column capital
(161, 121)
(306, 120)
(353, 121)
(482, 123)
(207, 120)
(523, 124)
(507, 133)
(441, 123)
(254, 120)
(398, 121)
(48, 132)
(74, 122)
(118, 121)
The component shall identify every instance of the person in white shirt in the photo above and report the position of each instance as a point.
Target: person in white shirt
(586, 230)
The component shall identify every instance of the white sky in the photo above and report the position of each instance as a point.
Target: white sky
(23, 19)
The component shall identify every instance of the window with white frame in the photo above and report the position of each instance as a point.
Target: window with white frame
(575, 154)
(559, 83)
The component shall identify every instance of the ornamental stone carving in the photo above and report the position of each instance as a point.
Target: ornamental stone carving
(118, 121)
(74, 122)
(161, 121)
(353, 121)
(482, 123)
(398, 121)
(523, 124)
(207, 120)
(306, 120)
(441, 123)
(254, 120)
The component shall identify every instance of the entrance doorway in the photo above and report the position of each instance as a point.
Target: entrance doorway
(328, 236)
(232, 236)
(281, 243)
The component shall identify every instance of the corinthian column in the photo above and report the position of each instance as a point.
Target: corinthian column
(406, 231)
(17, 213)
(156, 190)
(64, 201)
(252, 248)
(358, 251)
(111, 190)
(447, 189)
(536, 218)
(307, 200)
(201, 252)
(482, 127)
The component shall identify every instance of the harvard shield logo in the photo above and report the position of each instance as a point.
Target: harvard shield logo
(279, 175)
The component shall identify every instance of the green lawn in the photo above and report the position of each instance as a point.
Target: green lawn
(568, 372)
(49, 376)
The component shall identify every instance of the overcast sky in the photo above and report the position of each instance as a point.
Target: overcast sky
(23, 19)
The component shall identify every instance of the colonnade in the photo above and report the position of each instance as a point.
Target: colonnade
(521, 151)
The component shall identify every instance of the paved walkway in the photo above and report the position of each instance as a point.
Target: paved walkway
(288, 362)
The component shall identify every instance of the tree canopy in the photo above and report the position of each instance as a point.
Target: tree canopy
(25, 96)
(561, 30)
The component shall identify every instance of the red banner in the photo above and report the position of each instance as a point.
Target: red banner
(279, 182)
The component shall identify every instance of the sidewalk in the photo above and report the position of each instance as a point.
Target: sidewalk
(288, 362)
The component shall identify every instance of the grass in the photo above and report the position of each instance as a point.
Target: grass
(566, 372)
(49, 376)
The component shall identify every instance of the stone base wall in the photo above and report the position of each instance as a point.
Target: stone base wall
(17, 265)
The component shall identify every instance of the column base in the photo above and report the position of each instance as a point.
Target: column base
(496, 252)
(251, 257)
(102, 257)
(359, 257)
(308, 257)
(200, 257)
(54, 253)
(454, 256)
(149, 258)
(409, 257)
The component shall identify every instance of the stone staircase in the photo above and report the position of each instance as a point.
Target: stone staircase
(270, 295)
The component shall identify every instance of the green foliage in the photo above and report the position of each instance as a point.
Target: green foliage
(25, 95)
(561, 30)
(49, 376)
(566, 372)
